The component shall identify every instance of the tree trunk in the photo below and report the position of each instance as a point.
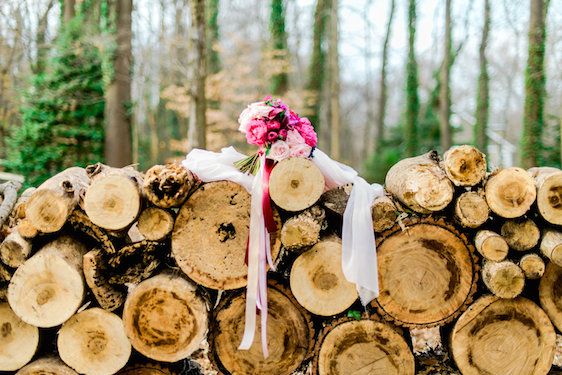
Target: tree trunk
(168, 185)
(532, 265)
(18, 340)
(165, 319)
(197, 119)
(155, 224)
(280, 80)
(465, 165)
(491, 245)
(214, 63)
(535, 82)
(47, 366)
(446, 136)
(549, 293)
(521, 235)
(504, 279)
(69, 10)
(483, 90)
(503, 336)
(412, 98)
(118, 148)
(334, 79)
(549, 193)
(40, 40)
(471, 210)
(510, 192)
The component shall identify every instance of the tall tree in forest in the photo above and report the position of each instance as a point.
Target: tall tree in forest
(483, 90)
(280, 78)
(383, 95)
(446, 137)
(118, 136)
(412, 98)
(334, 78)
(40, 39)
(533, 119)
(214, 63)
(316, 69)
(69, 10)
(197, 118)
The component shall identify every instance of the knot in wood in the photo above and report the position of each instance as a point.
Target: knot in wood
(554, 195)
(97, 342)
(226, 231)
(6, 329)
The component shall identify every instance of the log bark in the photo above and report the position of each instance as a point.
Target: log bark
(550, 294)
(109, 297)
(155, 224)
(290, 336)
(503, 336)
(465, 165)
(549, 193)
(426, 340)
(532, 265)
(504, 279)
(18, 340)
(384, 213)
(521, 235)
(420, 183)
(113, 199)
(304, 229)
(49, 287)
(510, 192)
(81, 222)
(558, 354)
(47, 366)
(9, 193)
(168, 185)
(317, 280)
(491, 245)
(94, 342)
(218, 216)
(427, 273)
(165, 319)
(551, 246)
(14, 250)
(471, 210)
(362, 347)
(296, 184)
(335, 200)
(51, 204)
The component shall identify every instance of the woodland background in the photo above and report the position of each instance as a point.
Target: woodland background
(144, 81)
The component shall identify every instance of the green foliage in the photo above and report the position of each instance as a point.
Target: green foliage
(63, 111)
(412, 98)
(354, 314)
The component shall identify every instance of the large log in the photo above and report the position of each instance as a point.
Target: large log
(290, 336)
(165, 319)
(510, 192)
(49, 287)
(551, 246)
(47, 366)
(295, 184)
(503, 336)
(50, 205)
(465, 165)
(550, 294)
(521, 235)
(18, 340)
(427, 273)
(491, 245)
(549, 193)
(471, 210)
(168, 185)
(210, 236)
(94, 342)
(420, 183)
(109, 297)
(317, 280)
(303, 230)
(504, 279)
(15, 249)
(362, 347)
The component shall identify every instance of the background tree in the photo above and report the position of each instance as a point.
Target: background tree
(483, 90)
(412, 98)
(446, 136)
(279, 77)
(334, 80)
(197, 119)
(213, 36)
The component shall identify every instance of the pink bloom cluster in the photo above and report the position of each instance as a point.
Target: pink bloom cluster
(271, 125)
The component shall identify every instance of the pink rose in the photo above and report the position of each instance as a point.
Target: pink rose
(273, 125)
(283, 134)
(256, 133)
(278, 151)
(254, 111)
(294, 138)
(307, 132)
(301, 151)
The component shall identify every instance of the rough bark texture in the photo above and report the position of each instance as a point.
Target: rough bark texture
(445, 131)
(491, 245)
(108, 296)
(412, 98)
(198, 119)
(335, 200)
(504, 279)
(18, 340)
(9, 194)
(483, 90)
(304, 229)
(549, 193)
(510, 192)
(168, 185)
(521, 235)
(471, 210)
(465, 165)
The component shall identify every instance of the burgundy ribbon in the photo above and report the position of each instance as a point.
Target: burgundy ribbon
(270, 223)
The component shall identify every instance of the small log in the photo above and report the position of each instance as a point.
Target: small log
(50, 205)
(549, 193)
(521, 235)
(14, 250)
(420, 183)
(295, 184)
(471, 210)
(94, 342)
(218, 216)
(18, 340)
(165, 319)
(551, 246)
(26, 229)
(550, 291)
(48, 288)
(304, 229)
(503, 336)
(47, 366)
(362, 347)
(427, 273)
(317, 280)
(18, 213)
(290, 335)
(147, 369)
(384, 213)
(134, 273)
(491, 245)
(168, 185)
(426, 340)
(9, 193)
(335, 200)
(81, 222)
(113, 199)
(465, 165)
(504, 279)
(532, 265)
(510, 192)
(134, 235)
(109, 297)
(155, 224)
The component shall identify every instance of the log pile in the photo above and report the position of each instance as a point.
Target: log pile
(109, 270)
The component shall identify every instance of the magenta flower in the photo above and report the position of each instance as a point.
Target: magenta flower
(272, 136)
(283, 134)
(257, 132)
(273, 125)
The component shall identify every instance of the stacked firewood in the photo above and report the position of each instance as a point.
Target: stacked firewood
(108, 270)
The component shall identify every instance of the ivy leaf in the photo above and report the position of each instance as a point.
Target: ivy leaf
(354, 314)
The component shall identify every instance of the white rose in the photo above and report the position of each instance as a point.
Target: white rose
(294, 138)
(279, 150)
(253, 111)
(301, 150)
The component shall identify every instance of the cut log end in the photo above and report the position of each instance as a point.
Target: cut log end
(504, 279)
(532, 265)
(510, 192)
(465, 165)
(384, 213)
(14, 250)
(304, 229)
(521, 235)
(168, 185)
(155, 224)
(549, 193)
(26, 229)
(471, 210)
(551, 246)
(491, 245)
(47, 366)
(18, 340)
